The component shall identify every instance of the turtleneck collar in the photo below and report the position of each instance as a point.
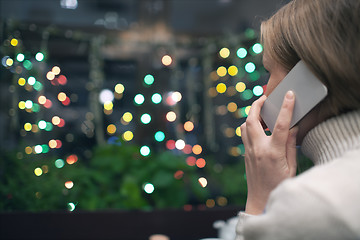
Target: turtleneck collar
(332, 138)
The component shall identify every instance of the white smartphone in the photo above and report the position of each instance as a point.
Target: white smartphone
(308, 89)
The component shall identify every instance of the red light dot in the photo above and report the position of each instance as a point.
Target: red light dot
(62, 123)
(62, 80)
(48, 103)
(66, 102)
(170, 144)
(200, 163)
(191, 161)
(58, 144)
(187, 149)
(72, 159)
(178, 174)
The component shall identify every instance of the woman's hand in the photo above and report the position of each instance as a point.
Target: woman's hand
(268, 159)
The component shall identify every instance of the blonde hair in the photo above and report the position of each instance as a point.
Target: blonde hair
(325, 34)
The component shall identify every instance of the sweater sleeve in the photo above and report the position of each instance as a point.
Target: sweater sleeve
(294, 211)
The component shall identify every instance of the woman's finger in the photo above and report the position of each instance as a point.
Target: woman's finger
(253, 122)
(282, 125)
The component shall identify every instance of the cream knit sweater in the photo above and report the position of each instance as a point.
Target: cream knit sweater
(323, 202)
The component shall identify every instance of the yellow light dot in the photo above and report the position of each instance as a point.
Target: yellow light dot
(22, 105)
(27, 127)
(127, 117)
(52, 143)
(111, 129)
(240, 87)
(197, 149)
(203, 182)
(50, 76)
(56, 70)
(221, 88)
(42, 99)
(108, 105)
(28, 150)
(9, 62)
(238, 131)
(38, 171)
(55, 120)
(171, 116)
(247, 110)
(128, 136)
(221, 71)
(62, 96)
(21, 81)
(232, 107)
(119, 88)
(166, 60)
(224, 53)
(14, 42)
(233, 70)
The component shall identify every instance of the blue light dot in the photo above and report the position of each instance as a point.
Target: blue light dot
(250, 67)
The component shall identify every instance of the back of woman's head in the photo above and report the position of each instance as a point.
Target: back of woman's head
(326, 35)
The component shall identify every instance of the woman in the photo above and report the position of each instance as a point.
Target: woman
(323, 202)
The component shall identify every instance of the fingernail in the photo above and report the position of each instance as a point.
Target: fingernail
(290, 95)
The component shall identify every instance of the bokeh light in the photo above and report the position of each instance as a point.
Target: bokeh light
(69, 184)
(203, 182)
(171, 116)
(224, 52)
(241, 53)
(221, 71)
(197, 149)
(145, 151)
(180, 144)
(127, 117)
(149, 188)
(166, 60)
(38, 171)
(106, 96)
(233, 70)
(156, 98)
(258, 90)
(149, 79)
(139, 99)
(145, 118)
(250, 67)
(188, 126)
(257, 48)
(59, 163)
(200, 163)
(39, 56)
(221, 88)
(111, 129)
(128, 136)
(119, 88)
(159, 136)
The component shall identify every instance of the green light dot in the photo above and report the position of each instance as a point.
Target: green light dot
(149, 79)
(250, 67)
(38, 86)
(36, 107)
(149, 188)
(257, 48)
(250, 33)
(49, 126)
(20, 57)
(27, 65)
(145, 118)
(59, 163)
(145, 151)
(159, 136)
(139, 99)
(39, 56)
(241, 53)
(258, 90)
(71, 206)
(156, 98)
(45, 148)
(247, 94)
(254, 76)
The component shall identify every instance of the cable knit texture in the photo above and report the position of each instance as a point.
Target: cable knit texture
(332, 138)
(323, 202)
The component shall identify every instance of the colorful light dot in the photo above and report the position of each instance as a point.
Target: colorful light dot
(56, 70)
(166, 60)
(71, 206)
(241, 53)
(180, 144)
(111, 129)
(119, 88)
(145, 118)
(191, 161)
(14, 42)
(20, 57)
(38, 171)
(39, 56)
(128, 136)
(221, 71)
(31, 80)
(27, 127)
(69, 184)
(176, 96)
(188, 126)
(139, 99)
(72, 159)
(171, 116)
(149, 188)
(257, 48)
(238, 131)
(250, 67)
(59, 163)
(28, 104)
(127, 117)
(145, 151)
(203, 182)
(108, 106)
(200, 163)
(232, 107)
(233, 70)
(22, 105)
(106, 96)
(159, 136)
(197, 149)
(156, 98)
(221, 88)
(149, 79)
(258, 90)
(224, 52)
